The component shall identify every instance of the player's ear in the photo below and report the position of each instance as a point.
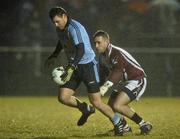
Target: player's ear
(64, 16)
(107, 40)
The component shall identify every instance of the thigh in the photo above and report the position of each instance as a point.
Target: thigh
(111, 102)
(112, 97)
(95, 99)
(65, 92)
(74, 82)
(134, 88)
(119, 97)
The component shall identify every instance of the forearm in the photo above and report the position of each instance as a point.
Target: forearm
(105, 87)
(115, 76)
(57, 50)
(78, 54)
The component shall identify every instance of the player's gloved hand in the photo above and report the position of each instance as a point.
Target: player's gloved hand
(49, 61)
(69, 69)
(104, 88)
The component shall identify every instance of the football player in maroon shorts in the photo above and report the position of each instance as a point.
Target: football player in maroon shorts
(122, 70)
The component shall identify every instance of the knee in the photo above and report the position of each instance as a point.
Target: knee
(111, 105)
(63, 98)
(117, 107)
(96, 103)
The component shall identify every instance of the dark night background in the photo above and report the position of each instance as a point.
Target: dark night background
(27, 37)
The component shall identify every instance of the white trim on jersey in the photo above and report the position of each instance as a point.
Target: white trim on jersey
(142, 90)
(133, 84)
(110, 49)
(127, 56)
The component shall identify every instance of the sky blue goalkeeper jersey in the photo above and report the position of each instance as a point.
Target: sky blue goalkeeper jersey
(73, 34)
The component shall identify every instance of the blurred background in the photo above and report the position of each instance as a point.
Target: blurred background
(148, 29)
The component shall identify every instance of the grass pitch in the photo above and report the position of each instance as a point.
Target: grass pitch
(46, 118)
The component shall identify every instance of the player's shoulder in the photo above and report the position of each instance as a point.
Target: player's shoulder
(115, 51)
(74, 24)
(120, 51)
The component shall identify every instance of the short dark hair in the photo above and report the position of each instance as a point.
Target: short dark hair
(102, 33)
(57, 11)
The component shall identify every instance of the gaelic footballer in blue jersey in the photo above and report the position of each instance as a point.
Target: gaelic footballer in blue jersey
(81, 67)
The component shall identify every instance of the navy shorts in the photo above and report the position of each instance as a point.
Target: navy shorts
(86, 73)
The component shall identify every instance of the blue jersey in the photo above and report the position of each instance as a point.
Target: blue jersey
(74, 34)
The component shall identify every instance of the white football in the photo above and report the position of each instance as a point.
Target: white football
(56, 73)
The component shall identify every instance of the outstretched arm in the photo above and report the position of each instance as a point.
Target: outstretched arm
(51, 59)
(57, 50)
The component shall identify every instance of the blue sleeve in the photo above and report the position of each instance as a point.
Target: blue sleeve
(76, 35)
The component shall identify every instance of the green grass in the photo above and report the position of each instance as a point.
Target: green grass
(45, 118)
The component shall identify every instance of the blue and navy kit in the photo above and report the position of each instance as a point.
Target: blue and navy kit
(74, 34)
(70, 39)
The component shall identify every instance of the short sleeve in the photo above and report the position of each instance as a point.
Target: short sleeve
(76, 35)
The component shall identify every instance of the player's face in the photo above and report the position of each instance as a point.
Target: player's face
(60, 21)
(101, 44)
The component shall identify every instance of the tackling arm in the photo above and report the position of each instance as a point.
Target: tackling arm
(114, 76)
